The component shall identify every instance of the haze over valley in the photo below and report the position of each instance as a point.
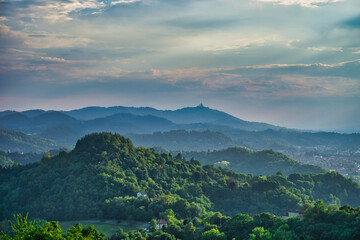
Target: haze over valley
(184, 130)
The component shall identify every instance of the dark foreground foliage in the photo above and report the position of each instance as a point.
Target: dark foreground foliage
(317, 221)
(41, 230)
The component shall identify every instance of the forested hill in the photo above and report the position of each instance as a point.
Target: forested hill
(255, 162)
(13, 141)
(184, 140)
(98, 178)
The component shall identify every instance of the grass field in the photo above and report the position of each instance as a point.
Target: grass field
(108, 227)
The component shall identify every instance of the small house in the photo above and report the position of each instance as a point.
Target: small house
(241, 183)
(291, 213)
(160, 223)
(141, 194)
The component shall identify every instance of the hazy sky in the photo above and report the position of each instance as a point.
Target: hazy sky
(294, 63)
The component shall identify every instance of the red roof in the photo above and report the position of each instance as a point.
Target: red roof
(161, 221)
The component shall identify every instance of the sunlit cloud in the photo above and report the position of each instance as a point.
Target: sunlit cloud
(54, 59)
(124, 2)
(54, 11)
(10, 38)
(221, 45)
(324, 48)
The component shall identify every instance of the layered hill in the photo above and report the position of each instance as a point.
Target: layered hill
(65, 127)
(290, 139)
(188, 115)
(102, 173)
(235, 158)
(184, 140)
(65, 130)
(150, 119)
(10, 158)
(255, 162)
(16, 141)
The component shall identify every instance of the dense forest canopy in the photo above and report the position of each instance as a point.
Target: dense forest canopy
(184, 140)
(101, 178)
(104, 171)
(14, 141)
(255, 162)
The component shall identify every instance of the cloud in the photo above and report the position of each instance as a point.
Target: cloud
(9, 37)
(325, 48)
(54, 59)
(54, 11)
(13, 38)
(237, 53)
(223, 45)
(263, 81)
(124, 2)
(193, 23)
(355, 50)
(349, 69)
(302, 3)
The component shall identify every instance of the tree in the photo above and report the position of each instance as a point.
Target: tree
(165, 236)
(189, 231)
(174, 229)
(21, 227)
(213, 234)
(120, 235)
(260, 233)
(153, 226)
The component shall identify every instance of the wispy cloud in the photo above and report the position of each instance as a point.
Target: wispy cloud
(54, 59)
(324, 48)
(11, 38)
(279, 79)
(124, 2)
(302, 3)
(54, 11)
(224, 44)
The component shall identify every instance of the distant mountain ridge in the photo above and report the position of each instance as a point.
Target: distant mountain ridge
(65, 127)
(187, 115)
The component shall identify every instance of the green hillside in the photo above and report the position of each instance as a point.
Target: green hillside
(255, 162)
(13, 141)
(101, 176)
(183, 140)
(5, 160)
(22, 158)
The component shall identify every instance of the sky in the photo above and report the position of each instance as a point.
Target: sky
(293, 63)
